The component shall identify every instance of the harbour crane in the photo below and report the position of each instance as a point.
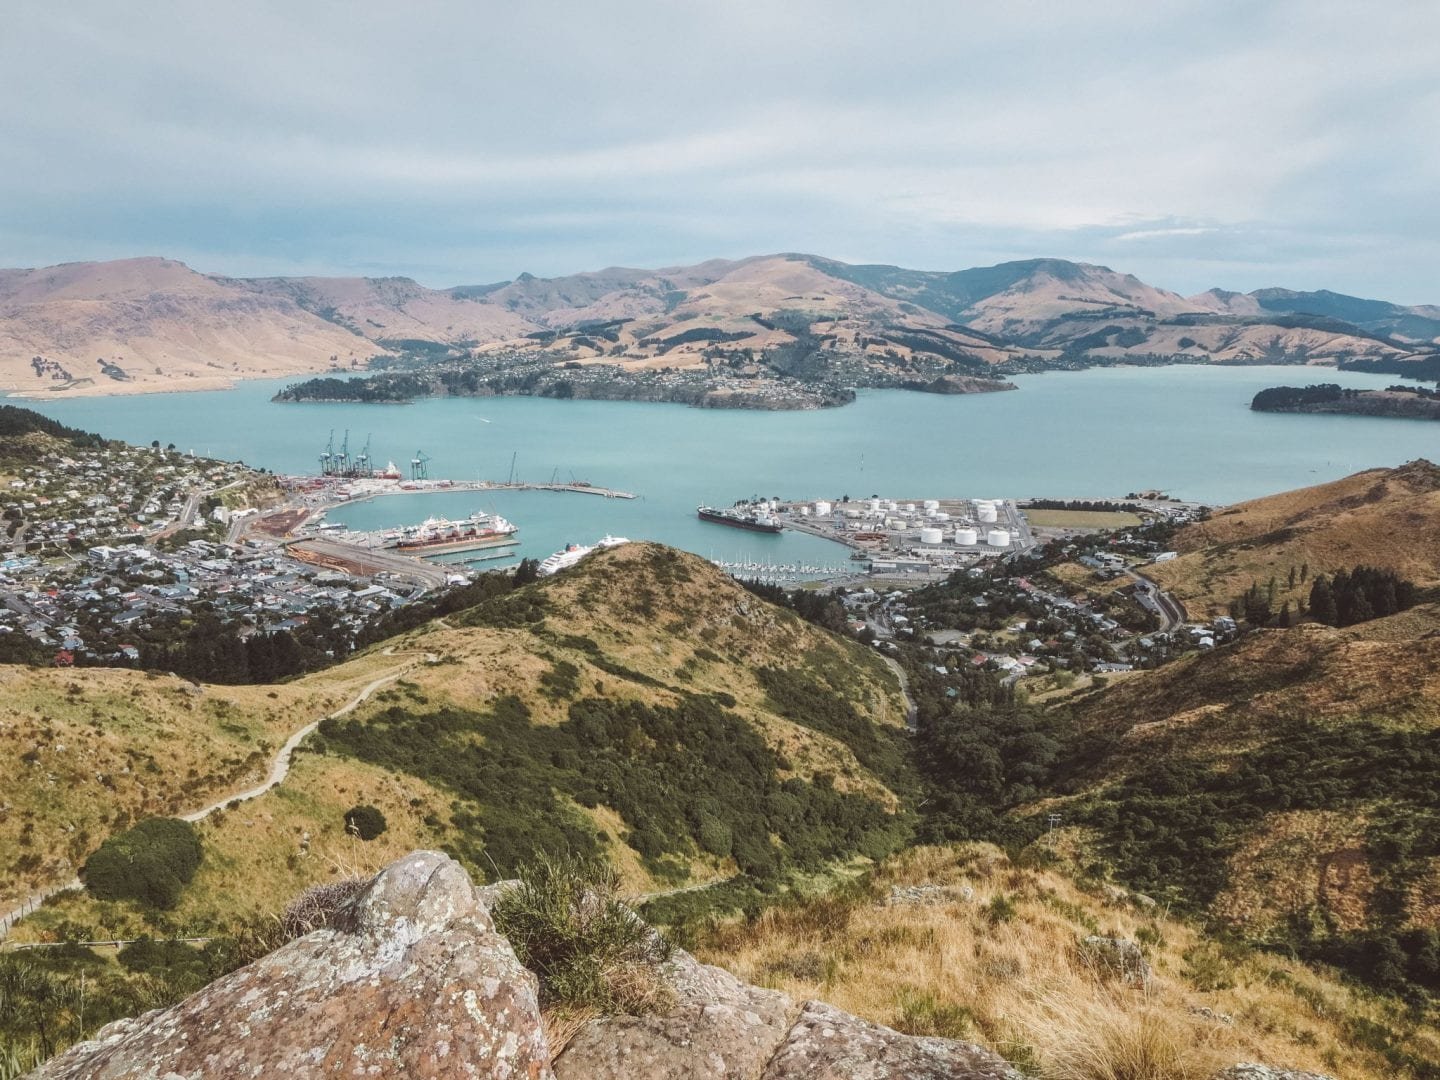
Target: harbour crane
(328, 456)
(342, 465)
(362, 462)
(420, 466)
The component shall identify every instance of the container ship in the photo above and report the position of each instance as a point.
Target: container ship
(440, 536)
(753, 516)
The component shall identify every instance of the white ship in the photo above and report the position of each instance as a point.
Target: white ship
(571, 554)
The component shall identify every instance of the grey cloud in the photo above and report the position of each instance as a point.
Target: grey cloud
(1191, 143)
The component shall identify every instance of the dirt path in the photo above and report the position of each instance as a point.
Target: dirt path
(279, 769)
(281, 766)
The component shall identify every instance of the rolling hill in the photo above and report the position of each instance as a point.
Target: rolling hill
(1386, 518)
(1283, 785)
(641, 706)
(152, 324)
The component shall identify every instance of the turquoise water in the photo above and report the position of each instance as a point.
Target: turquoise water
(1092, 434)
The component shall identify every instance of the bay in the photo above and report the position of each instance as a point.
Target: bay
(1101, 433)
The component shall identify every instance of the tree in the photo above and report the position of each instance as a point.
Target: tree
(150, 863)
(1322, 602)
(1257, 606)
(366, 822)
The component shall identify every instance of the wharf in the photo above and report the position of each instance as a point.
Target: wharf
(578, 489)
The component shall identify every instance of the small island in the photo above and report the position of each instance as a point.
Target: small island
(1406, 402)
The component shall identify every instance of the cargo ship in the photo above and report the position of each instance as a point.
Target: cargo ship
(753, 516)
(440, 536)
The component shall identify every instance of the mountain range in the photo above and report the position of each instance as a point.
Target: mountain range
(144, 324)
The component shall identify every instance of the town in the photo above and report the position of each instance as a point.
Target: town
(113, 551)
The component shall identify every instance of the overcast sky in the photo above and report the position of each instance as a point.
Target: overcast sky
(1238, 144)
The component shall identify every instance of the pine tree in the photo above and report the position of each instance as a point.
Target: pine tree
(1322, 602)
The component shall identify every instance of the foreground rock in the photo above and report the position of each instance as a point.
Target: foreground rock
(415, 982)
(412, 980)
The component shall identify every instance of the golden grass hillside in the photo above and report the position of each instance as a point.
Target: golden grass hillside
(962, 943)
(1336, 733)
(1387, 518)
(639, 627)
(93, 750)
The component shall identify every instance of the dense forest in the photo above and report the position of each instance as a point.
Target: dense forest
(15, 422)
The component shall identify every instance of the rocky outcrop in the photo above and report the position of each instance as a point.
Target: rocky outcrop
(828, 1044)
(413, 982)
(1265, 1072)
(411, 979)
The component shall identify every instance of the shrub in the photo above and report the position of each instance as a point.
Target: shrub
(589, 950)
(149, 864)
(366, 822)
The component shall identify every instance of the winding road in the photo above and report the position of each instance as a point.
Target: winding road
(279, 769)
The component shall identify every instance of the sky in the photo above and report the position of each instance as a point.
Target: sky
(1238, 144)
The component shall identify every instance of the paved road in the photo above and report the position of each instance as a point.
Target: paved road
(279, 769)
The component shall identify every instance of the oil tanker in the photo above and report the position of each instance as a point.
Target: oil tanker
(753, 516)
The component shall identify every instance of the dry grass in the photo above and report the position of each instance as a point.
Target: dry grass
(1388, 518)
(1008, 974)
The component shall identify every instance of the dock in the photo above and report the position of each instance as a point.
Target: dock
(576, 488)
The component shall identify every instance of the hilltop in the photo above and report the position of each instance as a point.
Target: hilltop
(548, 717)
(154, 324)
(1386, 518)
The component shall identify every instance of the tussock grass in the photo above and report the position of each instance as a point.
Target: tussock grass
(590, 952)
(1021, 986)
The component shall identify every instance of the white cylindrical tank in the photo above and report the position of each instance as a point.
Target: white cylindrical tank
(986, 512)
(932, 504)
(822, 509)
(931, 536)
(941, 515)
(998, 538)
(909, 508)
(967, 537)
(890, 504)
(804, 511)
(875, 505)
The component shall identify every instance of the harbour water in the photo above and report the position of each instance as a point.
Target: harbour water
(1187, 430)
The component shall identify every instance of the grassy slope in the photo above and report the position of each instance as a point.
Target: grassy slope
(640, 624)
(1005, 969)
(1284, 690)
(1389, 518)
